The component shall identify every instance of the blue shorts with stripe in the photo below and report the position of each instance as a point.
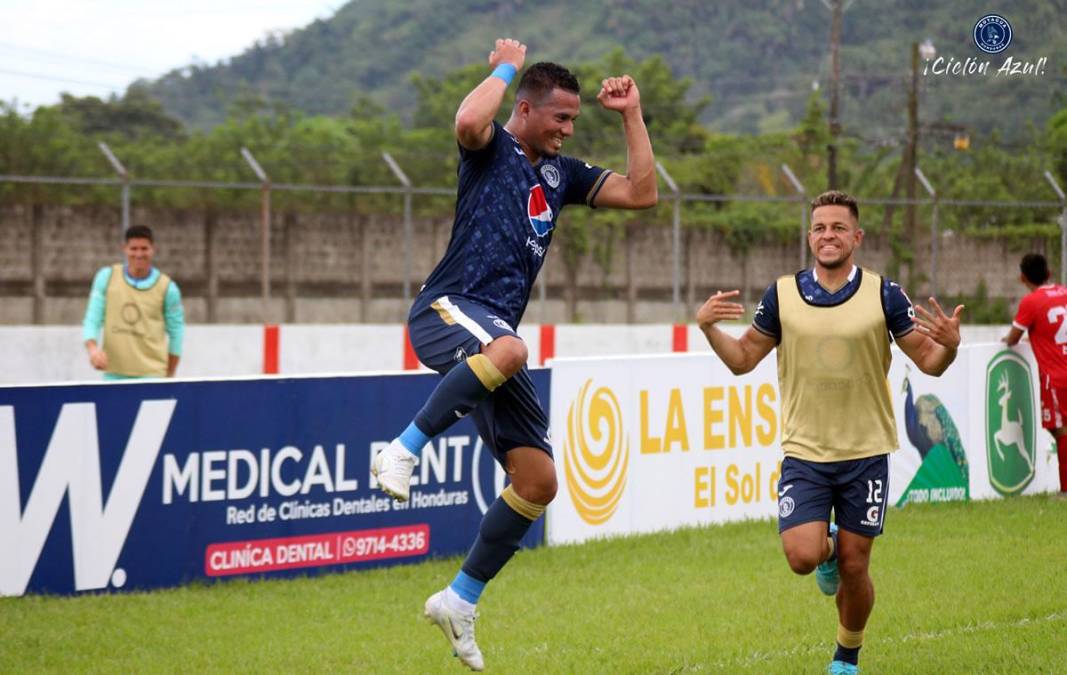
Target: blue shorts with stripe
(857, 490)
(444, 331)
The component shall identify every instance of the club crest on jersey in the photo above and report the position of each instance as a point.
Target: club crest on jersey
(539, 211)
(551, 175)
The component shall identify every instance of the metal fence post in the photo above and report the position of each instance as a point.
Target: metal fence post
(264, 232)
(124, 176)
(934, 234)
(676, 241)
(266, 188)
(803, 196)
(408, 235)
(1063, 225)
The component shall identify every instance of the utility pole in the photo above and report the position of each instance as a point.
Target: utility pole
(912, 150)
(836, 15)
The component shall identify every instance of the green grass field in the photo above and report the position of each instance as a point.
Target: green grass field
(962, 588)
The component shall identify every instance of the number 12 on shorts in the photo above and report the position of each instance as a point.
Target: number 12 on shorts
(874, 491)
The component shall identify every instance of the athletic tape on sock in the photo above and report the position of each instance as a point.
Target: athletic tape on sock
(526, 509)
(849, 638)
(485, 371)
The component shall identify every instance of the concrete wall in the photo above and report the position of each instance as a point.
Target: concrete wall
(349, 268)
(49, 354)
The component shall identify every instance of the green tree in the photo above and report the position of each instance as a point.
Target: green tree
(136, 115)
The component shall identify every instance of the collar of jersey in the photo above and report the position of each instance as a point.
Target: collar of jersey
(851, 278)
(141, 284)
(823, 297)
(519, 150)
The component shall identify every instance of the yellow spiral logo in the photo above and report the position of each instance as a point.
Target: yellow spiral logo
(595, 454)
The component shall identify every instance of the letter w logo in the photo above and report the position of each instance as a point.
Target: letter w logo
(72, 463)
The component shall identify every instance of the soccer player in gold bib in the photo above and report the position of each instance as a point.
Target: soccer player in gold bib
(832, 325)
(139, 312)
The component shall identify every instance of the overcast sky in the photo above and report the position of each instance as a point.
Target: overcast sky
(98, 47)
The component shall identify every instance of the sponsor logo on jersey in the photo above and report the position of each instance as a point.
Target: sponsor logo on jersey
(873, 515)
(538, 249)
(539, 211)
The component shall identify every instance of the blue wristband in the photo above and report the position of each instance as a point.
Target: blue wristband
(505, 71)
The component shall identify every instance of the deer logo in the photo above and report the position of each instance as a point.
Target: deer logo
(1010, 423)
(1010, 435)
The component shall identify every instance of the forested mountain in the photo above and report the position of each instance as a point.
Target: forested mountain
(758, 62)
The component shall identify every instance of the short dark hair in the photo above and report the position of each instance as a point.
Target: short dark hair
(837, 198)
(541, 78)
(139, 232)
(1035, 268)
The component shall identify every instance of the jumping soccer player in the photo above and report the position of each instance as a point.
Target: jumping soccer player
(1042, 314)
(513, 182)
(832, 326)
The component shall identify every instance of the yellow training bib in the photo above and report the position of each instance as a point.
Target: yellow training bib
(832, 367)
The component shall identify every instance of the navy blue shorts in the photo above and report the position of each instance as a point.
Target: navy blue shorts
(445, 331)
(856, 489)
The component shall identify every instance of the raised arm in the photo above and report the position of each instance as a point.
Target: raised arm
(932, 345)
(742, 354)
(474, 119)
(637, 189)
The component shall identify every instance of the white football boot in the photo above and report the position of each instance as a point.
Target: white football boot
(392, 467)
(458, 627)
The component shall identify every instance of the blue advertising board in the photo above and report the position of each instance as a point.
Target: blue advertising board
(128, 486)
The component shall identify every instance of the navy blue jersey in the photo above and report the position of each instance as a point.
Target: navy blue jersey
(899, 313)
(506, 209)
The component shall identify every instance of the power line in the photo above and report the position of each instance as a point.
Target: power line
(42, 76)
(43, 54)
(254, 7)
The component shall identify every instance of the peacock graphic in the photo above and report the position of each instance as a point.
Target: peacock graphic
(928, 423)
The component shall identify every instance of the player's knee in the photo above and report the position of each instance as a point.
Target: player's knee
(539, 490)
(548, 489)
(852, 567)
(802, 561)
(508, 354)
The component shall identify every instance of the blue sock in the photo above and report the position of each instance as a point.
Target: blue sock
(413, 439)
(467, 587)
(499, 535)
(848, 654)
(833, 535)
(458, 392)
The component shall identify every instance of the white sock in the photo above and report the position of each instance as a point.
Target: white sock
(456, 603)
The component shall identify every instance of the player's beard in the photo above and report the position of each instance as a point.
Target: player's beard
(549, 151)
(834, 264)
(548, 148)
(840, 259)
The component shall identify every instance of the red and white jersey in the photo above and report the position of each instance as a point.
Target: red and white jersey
(1043, 314)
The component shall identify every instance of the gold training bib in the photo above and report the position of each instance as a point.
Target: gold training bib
(135, 336)
(832, 367)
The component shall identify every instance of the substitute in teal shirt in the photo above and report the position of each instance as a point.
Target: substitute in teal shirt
(138, 311)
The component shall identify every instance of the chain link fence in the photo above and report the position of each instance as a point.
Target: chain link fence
(361, 258)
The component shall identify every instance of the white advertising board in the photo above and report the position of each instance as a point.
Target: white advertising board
(645, 443)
